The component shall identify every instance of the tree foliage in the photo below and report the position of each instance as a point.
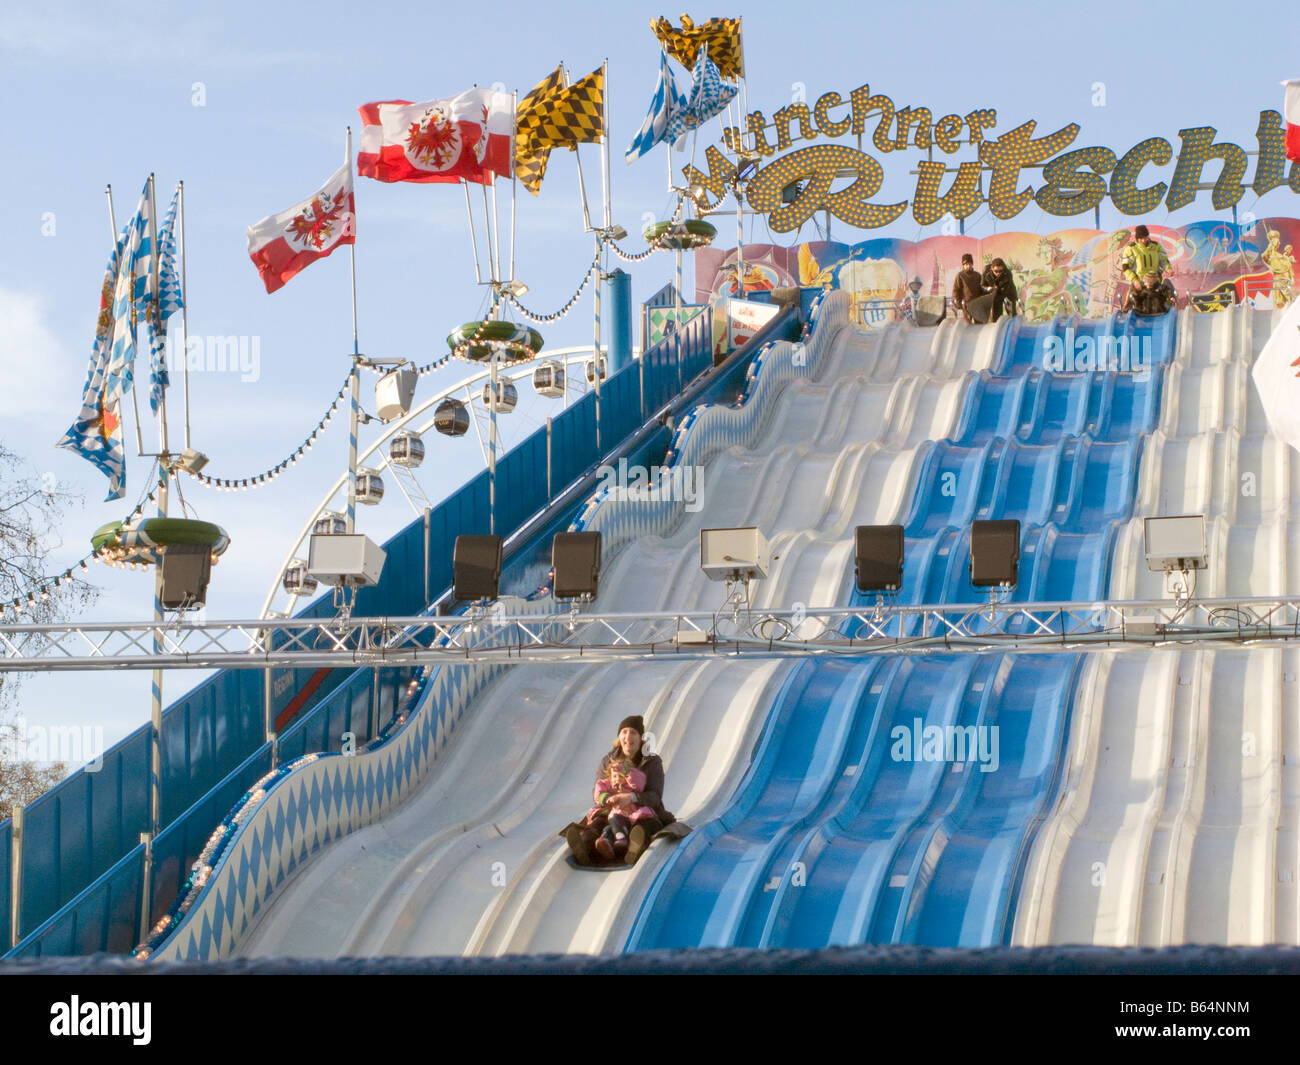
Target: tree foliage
(31, 509)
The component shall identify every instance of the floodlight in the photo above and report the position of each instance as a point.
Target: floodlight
(345, 560)
(394, 392)
(186, 569)
(476, 566)
(994, 553)
(734, 554)
(1176, 543)
(878, 557)
(575, 559)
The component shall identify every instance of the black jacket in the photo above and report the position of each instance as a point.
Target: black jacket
(1004, 287)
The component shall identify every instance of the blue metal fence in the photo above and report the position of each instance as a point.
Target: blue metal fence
(82, 862)
(6, 872)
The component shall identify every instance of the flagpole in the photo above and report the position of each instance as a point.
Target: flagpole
(155, 761)
(496, 230)
(112, 216)
(514, 178)
(487, 225)
(185, 318)
(582, 185)
(354, 379)
(473, 237)
(604, 140)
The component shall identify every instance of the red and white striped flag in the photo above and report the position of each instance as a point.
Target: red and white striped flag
(1291, 112)
(287, 242)
(467, 137)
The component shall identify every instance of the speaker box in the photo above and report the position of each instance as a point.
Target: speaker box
(878, 557)
(994, 553)
(476, 566)
(575, 557)
(186, 569)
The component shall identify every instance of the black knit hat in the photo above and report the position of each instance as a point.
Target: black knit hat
(1141, 231)
(636, 722)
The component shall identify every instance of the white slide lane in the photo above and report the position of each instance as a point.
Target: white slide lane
(471, 862)
(1178, 818)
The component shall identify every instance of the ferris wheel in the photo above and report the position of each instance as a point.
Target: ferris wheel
(561, 374)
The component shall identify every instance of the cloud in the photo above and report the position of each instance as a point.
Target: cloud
(36, 371)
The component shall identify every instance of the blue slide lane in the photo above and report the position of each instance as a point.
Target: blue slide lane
(895, 799)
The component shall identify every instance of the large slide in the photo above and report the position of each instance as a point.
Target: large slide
(895, 801)
(1178, 819)
(471, 862)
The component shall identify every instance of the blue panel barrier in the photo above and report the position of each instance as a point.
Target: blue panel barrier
(6, 868)
(77, 830)
(104, 917)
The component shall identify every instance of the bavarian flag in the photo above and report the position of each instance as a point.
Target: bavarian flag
(720, 35)
(530, 157)
(558, 118)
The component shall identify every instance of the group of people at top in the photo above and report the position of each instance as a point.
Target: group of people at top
(986, 297)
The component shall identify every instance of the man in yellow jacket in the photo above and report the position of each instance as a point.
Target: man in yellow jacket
(1142, 257)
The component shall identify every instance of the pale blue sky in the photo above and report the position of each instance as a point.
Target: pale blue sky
(104, 92)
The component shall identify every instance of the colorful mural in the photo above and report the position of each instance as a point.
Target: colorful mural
(1072, 271)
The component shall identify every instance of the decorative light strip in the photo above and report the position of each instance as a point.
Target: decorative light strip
(224, 833)
(43, 588)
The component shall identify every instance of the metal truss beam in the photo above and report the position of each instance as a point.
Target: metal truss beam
(491, 636)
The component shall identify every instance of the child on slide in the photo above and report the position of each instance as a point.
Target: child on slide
(621, 777)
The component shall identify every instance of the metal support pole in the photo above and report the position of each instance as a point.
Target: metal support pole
(426, 554)
(185, 314)
(268, 716)
(549, 495)
(740, 240)
(492, 448)
(595, 353)
(156, 689)
(353, 424)
(15, 873)
(373, 724)
(146, 889)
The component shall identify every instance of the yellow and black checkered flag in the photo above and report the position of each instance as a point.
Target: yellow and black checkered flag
(722, 35)
(557, 118)
(576, 115)
(530, 157)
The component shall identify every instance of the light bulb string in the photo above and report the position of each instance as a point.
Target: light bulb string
(630, 257)
(228, 484)
(46, 584)
(557, 315)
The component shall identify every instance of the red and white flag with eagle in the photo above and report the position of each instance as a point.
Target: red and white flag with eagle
(1291, 112)
(287, 242)
(468, 137)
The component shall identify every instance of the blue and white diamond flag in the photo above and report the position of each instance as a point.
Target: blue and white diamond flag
(667, 101)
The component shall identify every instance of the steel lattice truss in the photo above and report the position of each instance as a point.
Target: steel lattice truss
(490, 635)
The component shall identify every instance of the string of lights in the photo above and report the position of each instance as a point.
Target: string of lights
(563, 311)
(48, 584)
(632, 258)
(225, 484)
(224, 833)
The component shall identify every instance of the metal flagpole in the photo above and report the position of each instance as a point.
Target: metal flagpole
(514, 178)
(473, 237)
(155, 758)
(605, 183)
(354, 379)
(582, 185)
(487, 225)
(185, 318)
(496, 230)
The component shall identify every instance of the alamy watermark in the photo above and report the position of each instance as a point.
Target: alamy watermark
(1102, 354)
(678, 484)
(70, 744)
(946, 743)
(216, 354)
